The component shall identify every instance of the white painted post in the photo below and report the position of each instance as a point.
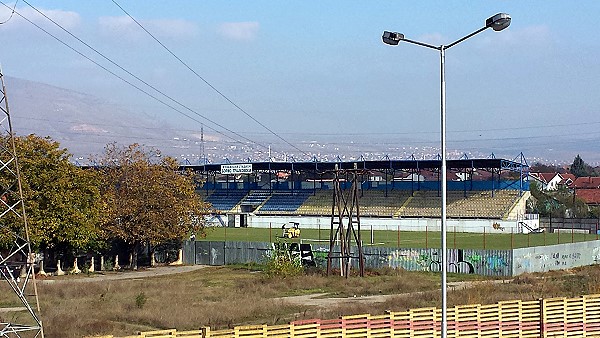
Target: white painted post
(179, 260)
(42, 272)
(75, 267)
(117, 266)
(59, 270)
(92, 269)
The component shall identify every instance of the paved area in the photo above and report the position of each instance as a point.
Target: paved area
(12, 309)
(120, 275)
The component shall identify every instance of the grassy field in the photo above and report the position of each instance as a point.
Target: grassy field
(222, 297)
(405, 239)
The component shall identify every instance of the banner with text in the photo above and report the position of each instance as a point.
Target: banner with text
(229, 169)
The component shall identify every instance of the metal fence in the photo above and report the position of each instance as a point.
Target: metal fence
(552, 224)
(482, 262)
(467, 261)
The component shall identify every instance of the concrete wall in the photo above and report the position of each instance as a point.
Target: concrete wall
(392, 224)
(555, 257)
(519, 207)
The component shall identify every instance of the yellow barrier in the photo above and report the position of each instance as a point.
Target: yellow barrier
(546, 318)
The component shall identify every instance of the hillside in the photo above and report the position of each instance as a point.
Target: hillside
(82, 123)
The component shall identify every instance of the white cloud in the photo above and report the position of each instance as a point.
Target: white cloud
(66, 19)
(125, 27)
(244, 31)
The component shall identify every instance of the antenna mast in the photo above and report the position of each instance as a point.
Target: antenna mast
(17, 262)
(202, 149)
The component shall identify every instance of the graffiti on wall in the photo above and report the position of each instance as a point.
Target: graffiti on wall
(459, 261)
(492, 262)
(596, 255)
(551, 261)
(214, 255)
(401, 258)
(497, 226)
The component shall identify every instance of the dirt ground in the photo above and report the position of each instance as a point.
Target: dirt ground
(321, 299)
(316, 299)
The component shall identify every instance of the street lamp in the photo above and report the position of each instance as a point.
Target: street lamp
(497, 22)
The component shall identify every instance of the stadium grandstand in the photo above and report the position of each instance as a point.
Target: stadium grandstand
(483, 194)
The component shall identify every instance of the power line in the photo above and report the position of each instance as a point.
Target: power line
(332, 143)
(11, 13)
(208, 83)
(349, 134)
(126, 81)
(100, 134)
(136, 77)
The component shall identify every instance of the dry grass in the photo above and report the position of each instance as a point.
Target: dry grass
(223, 297)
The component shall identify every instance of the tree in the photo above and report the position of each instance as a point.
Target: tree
(62, 202)
(581, 169)
(539, 167)
(148, 202)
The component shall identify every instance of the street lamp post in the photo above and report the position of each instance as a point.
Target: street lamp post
(497, 22)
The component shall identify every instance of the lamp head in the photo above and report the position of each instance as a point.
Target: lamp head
(498, 22)
(392, 38)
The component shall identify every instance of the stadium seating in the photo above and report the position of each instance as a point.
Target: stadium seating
(317, 204)
(376, 203)
(225, 200)
(256, 197)
(372, 203)
(470, 204)
(283, 202)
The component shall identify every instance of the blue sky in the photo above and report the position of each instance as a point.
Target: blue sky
(311, 68)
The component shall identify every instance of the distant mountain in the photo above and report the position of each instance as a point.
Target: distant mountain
(82, 123)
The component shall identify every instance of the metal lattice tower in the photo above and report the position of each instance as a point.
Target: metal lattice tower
(345, 224)
(17, 262)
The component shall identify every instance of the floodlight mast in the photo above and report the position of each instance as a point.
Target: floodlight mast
(497, 22)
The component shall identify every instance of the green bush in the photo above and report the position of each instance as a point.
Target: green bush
(283, 263)
(140, 300)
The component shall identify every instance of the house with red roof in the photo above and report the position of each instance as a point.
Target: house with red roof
(591, 197)
(587, 189)
(551, 181)
(567, 180)
(586, 183)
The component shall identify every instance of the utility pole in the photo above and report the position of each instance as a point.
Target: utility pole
(17, 261)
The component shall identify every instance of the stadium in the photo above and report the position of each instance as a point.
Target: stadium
(483, 195)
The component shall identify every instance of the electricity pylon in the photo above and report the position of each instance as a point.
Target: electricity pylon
(17, 262)
(345, 223)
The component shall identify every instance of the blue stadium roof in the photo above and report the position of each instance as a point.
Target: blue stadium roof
(492, 163)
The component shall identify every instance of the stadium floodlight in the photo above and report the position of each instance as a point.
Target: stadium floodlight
(497, 22)
(392, 38)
